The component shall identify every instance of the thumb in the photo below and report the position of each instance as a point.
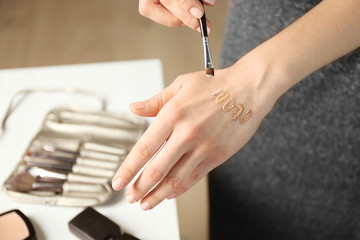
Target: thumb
(152, 106)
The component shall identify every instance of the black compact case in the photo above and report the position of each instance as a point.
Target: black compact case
(91, 225)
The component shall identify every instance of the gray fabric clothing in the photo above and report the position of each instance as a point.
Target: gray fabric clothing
(299, 177)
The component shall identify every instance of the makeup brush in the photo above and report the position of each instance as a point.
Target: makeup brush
(86, 153)
(61, 166)
(24, 182)
(77, 147)
(59, 176)
(75, 160)
(209, 67)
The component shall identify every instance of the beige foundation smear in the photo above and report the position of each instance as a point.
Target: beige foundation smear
(238, 108)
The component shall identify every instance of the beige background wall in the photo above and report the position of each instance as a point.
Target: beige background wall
(56, 32)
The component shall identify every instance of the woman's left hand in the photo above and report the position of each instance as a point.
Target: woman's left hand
(193, 132)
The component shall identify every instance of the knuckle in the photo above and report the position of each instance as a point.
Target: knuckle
(192, 133)
(155, 200)
(189, 20)
(143, 9)
(137, 192)
(143, 151)
(183, 189)
(196, 175)
(179, 78)
(175, 112)
(183, 4)
(173, 22)
(201, 170)
(165, 2)
(180, 191)
(174, 183)
(157, 101)
(155, 174)
(127, 173)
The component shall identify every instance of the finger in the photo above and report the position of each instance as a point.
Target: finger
(209, 2)
(152, 106)
(142, 152)
(158, 13)
(157, 169)
(188, 11)
(172, 182)
(202, 169)
(209, 26)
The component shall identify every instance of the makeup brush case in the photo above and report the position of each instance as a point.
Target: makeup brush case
(73, 157)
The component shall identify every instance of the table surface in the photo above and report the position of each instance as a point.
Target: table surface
(119, 83)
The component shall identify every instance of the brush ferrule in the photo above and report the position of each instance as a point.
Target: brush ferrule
(207, 53)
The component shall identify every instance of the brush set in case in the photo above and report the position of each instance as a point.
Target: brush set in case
(73, 157)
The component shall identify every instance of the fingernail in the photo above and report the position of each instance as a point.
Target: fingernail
(171, 196)
(198, 29)
(145, 206)
(208, 29)
(130, 198)
(118, 184)
(137, 105)
(182, 25)
(196, 12)
(212, 2)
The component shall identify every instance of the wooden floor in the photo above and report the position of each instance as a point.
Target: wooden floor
(57, 32)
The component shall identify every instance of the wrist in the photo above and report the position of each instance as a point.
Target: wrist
(263, 78)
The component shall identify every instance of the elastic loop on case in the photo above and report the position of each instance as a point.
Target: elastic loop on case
(25, 92)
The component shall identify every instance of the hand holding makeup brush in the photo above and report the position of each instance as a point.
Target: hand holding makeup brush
(173, 13)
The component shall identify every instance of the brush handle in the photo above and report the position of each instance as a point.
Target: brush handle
(71, 177)
(101, 155)
(54, 157)
(42, 173)
(47, 164)
(45, 186)
(104, 148)
(68, 187)
(50, 148)
(91, 171)
(97, 163)
(74, 147)
(89, 151)
(205, 41)
(203, 25)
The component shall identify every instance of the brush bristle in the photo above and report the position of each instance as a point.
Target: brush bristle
(22, 182)
(210, 72)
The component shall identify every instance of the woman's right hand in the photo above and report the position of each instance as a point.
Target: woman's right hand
(175, 13)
